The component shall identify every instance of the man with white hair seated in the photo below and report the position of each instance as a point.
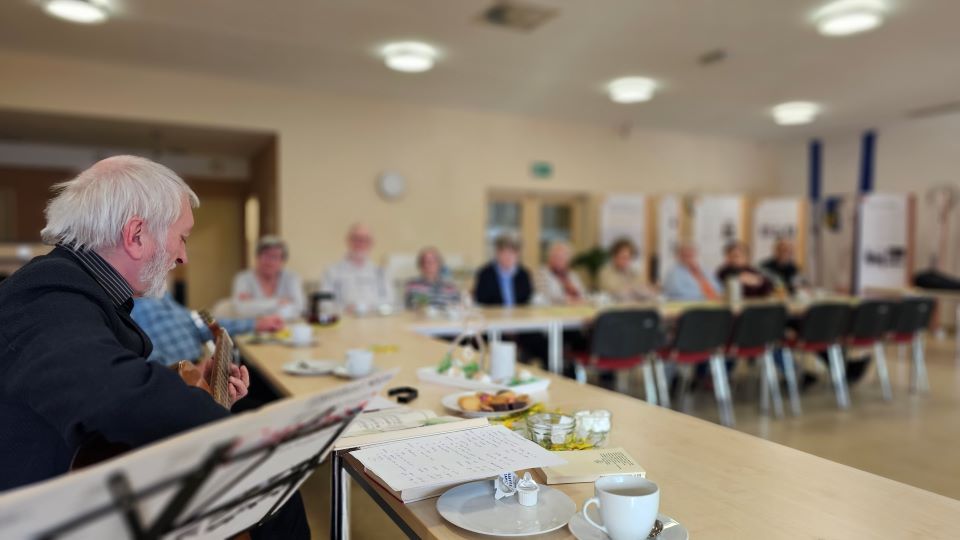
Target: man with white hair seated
(73, 366)
(556, 282)
(358, 284)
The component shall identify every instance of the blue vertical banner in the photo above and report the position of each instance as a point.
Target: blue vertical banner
(868, 145)
(816, 166)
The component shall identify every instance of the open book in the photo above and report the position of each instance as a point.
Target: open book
(424, 466)
(399, 423)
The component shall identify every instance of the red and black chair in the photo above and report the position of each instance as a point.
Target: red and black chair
(822, 329)
(621, 340)
(869, 325)
(757, 330)
(700, 336)
(911, 318)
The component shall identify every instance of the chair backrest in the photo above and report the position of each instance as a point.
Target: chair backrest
(702, 330)
(872, 319)
(625, 333)
(759, 326)
(912, 315)
(824, 323)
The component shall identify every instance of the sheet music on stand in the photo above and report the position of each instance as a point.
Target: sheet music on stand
(211, 482)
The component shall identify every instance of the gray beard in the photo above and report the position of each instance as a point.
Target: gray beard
(154, 274)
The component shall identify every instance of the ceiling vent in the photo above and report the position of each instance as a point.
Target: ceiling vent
(518, 16)
(942, 109)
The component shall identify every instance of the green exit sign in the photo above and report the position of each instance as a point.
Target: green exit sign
(541, 170)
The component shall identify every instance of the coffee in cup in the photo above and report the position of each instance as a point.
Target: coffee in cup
(628, 506)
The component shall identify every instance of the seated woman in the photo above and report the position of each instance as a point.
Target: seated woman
(556, 282)
(736, 266)
(620, 277)
(431, 288)
(268, 288)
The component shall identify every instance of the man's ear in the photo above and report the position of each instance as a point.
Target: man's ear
(134, 238)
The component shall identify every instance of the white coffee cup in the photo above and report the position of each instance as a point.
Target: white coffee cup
(628, 506)
(301, 334)
(359, 362)
(503, 360)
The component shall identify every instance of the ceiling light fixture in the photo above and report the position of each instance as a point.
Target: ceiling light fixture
(631, 89)
(77, 11)
(795, 112)
(409, 56)
(848, 17)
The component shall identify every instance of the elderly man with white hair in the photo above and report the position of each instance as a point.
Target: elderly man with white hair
(73, 366)
(358, 284)
(556, 282)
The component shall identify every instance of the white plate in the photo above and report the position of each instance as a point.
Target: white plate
(585, 531)
(341, 371)
(310, 367)
(298, 344)
(450, 402)
(472, 507)
(429, 374)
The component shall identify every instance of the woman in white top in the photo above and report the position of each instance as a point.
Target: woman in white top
(268, 289)
(556, 282)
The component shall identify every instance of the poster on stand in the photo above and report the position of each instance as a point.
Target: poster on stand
(774, 219)
(668, 233)
(716, 223)
(622, 216)
(883, 246)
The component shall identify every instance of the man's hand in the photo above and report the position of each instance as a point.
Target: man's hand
(270, 323)
(237, 385)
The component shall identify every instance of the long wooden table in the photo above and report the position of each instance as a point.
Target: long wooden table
(719, 483)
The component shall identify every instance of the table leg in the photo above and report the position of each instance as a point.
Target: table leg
(339, 499)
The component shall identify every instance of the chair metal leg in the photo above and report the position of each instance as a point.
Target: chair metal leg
(660, 374)
(721, 388)
(769, 371)
(839, 376)
(580, 373)
(685, 372)
(764, 390)
(882, 373)
(622, 380)
(790, 373)
(649, 384)
(918, 381)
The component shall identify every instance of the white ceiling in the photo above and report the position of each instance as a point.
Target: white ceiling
(556, 71)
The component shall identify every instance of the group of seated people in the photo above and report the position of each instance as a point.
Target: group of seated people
(266, 295)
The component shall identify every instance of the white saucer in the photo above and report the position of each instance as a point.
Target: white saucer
(341, 371)
(310, 367)
(472, 507)
(585, 531)
(451, 401)
(299, 344)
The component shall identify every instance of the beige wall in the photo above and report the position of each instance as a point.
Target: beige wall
(332, 148)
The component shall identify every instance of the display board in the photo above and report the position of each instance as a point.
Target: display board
(774, 219)
(883, 244)
(624, 215)
(717, 221)
(668, 232)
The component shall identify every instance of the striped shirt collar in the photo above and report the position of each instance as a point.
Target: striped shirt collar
(107, 276)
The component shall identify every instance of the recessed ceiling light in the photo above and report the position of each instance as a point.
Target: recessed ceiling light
(847, 17)
(409, 56)
(795, 112)
(77, 11)
(631, 89)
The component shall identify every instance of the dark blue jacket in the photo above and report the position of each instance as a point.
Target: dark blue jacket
(73, 368)
(486, 290)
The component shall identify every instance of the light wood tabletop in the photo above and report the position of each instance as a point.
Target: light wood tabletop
(717, 482)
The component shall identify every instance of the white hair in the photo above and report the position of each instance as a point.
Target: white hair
(90, 210)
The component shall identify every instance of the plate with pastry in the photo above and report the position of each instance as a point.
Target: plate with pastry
(487, 404)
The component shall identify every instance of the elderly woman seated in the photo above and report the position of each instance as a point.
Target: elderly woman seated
(268, 288)
(556, 282)
(431, 288)
(622, 278)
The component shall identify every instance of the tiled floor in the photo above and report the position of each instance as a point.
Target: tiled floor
(912, 439)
